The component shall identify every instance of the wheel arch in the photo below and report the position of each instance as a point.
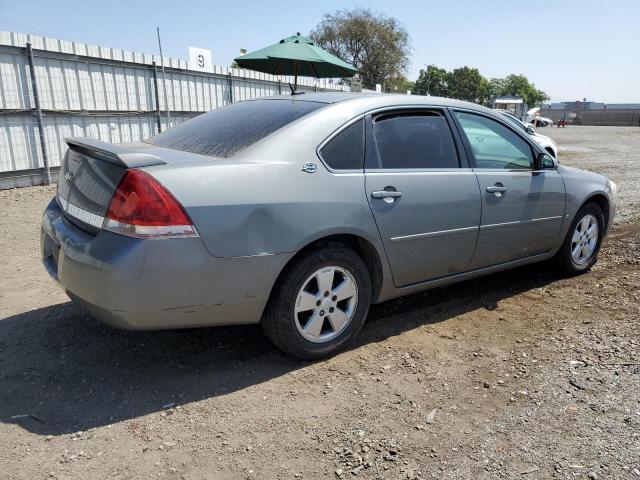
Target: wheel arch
(602, 201)
(363, 247)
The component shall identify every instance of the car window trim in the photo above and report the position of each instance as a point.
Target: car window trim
(334, 134)
(499, 121)
(535, 149)
(371, 164)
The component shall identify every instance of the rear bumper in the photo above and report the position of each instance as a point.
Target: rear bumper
(155, 283)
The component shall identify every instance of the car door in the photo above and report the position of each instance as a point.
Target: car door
(522, 208)
(425, 202)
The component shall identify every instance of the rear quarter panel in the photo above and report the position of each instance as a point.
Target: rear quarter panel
(268, 208)
(261, 202)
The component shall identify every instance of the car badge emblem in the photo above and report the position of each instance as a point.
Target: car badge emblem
(309, 167)
(68, 177)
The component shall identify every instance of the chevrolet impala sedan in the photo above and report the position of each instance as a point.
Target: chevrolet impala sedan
(299, 212)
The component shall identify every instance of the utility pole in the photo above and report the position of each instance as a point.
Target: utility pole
(38, 113)
(155, 87)
(164, 81)
(429, 77)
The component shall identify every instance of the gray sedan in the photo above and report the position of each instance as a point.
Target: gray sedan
(299, 212)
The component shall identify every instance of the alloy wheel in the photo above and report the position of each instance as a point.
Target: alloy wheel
(584, 239)
(325, 304)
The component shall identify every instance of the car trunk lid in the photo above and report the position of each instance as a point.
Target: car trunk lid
(89, 175)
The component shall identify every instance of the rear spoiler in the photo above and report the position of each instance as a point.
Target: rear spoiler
(113, 153)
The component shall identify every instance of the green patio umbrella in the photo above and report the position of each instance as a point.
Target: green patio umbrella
(296, 55)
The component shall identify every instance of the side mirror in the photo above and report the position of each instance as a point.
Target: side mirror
(530, 130)
(544, 161)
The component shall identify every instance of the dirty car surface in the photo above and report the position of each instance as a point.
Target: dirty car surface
(299, 212)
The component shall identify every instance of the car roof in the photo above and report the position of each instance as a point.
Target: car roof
(320, 97)
(377, 100)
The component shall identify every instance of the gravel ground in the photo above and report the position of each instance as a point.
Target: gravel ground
(611, 151)
(522, 374)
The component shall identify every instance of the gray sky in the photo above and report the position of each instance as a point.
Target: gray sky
(569, 48)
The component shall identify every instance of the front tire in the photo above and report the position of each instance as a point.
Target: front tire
(579, 251)
(319, 303)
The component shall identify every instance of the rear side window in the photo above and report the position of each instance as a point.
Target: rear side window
(414, 140)
(228, 130)
(345, 151)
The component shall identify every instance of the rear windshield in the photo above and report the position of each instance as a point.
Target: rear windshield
(228, 130)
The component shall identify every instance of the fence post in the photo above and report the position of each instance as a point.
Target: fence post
(230, 81)
(38, 114)
(279, 87)
(155, 88)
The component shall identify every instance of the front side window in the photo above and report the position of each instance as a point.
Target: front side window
(345, 151)
(414, 140)
(494, 145)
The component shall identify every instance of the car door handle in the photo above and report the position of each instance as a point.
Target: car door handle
(496, 189)
(386, 194)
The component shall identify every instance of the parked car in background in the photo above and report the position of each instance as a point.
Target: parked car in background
(299, 212)
(509, 114)
(538, 121)
(547, 143)
(534, 118)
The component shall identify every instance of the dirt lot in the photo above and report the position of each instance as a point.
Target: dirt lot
(519, 375)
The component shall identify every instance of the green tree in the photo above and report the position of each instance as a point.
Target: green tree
(520, 86)
(399, 85)
(376, 44)
(432, 81)
(495, 87)
(466, 83)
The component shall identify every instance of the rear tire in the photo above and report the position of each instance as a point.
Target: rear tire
(579, 251)
(319, 303)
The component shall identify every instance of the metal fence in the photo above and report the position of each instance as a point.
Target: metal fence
(106, 94)
(595, 116)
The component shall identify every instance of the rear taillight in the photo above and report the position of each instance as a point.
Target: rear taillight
(142, 207)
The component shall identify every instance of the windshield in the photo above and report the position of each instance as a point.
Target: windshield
(228, 130)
